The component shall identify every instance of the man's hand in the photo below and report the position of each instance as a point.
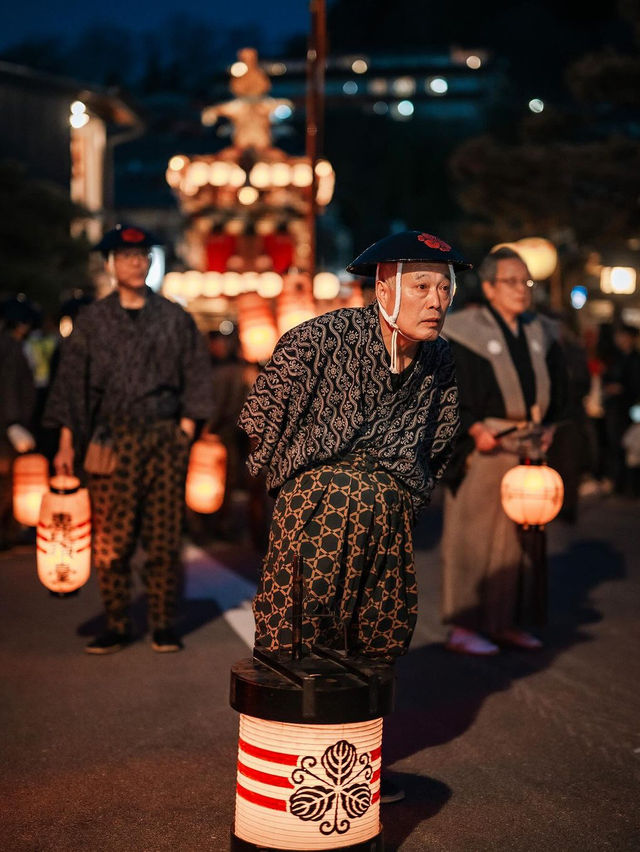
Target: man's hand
(483, 438)
(63, 460)
(188, 426)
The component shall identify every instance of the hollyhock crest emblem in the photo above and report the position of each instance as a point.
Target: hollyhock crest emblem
(434, 242)
(335, 792)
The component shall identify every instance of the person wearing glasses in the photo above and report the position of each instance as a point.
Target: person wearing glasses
(132, 384)
(510, 372)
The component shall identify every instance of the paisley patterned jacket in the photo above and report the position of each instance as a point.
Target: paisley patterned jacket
(327, 391)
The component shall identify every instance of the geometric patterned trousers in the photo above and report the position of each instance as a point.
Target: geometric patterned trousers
(349, 523)
(143, 498)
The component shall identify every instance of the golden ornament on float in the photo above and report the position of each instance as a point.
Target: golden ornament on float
(206, 475)
(30, 484)
(64, 536)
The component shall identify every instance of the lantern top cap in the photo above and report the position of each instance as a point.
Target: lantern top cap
(407, 247)
(64, 484)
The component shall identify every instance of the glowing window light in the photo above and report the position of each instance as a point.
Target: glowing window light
(536, 105)
(579, 297)
(238, 69)
(247, 195)
(474, 62)
(618, 280)
(359, 66)
(437, 86)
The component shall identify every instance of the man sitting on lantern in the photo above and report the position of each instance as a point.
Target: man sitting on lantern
(510, 371)
(352, 419)
(133, 380)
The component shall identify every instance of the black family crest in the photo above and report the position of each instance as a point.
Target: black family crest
(343, 794)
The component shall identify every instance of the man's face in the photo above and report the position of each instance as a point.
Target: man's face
(510, 293)
(130, 266)
(426, 295)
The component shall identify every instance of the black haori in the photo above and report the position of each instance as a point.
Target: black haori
(350, 522)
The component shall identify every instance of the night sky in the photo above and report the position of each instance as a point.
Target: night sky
(42, 18)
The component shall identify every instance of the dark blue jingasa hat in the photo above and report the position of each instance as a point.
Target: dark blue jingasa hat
(406, 247)
(126, 236)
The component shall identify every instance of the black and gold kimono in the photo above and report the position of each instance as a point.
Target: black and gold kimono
(352, 453)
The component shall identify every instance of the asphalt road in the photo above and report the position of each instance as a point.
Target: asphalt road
(519, 752)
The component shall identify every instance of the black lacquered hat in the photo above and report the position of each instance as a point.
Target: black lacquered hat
(126, 236)
(407, 246)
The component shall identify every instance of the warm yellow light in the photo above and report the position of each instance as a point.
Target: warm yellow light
(238, 69)
(30, 483)
(212, 284)
(280, 174)
(174, 178)
(532, 495)
(260, 175)
(219, 173)
(359, 66)
(538, 254)
(247, 195)
(250, 281)
(301, 174)
(198, 174)
(64, 536)
(237, 175)
(618, 280)
(231, 283)
(192, 284)
(404, 86)
(324, 168)
(177, 162)
(207, 475)
(473, 62)
(269, 285)
(278, 68)
(172, 285)
(326, 285)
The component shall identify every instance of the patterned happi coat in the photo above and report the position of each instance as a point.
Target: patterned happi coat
(327, 391)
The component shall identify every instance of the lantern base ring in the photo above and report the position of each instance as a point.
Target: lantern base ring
(72, 594)
(375, 844)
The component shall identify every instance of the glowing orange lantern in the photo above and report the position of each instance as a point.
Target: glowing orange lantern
(256, 328)
(206, 475)
(532, 494)
(64, 536)
(30, 483)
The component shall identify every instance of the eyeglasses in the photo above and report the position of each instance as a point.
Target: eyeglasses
(512, 283)
(133, 254)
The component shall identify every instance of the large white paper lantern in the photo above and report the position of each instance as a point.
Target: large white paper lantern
(64, 536)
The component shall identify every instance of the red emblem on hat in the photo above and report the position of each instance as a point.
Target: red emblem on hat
(132, 235)
(434, 242)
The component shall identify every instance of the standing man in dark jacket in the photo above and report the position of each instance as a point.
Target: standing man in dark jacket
(133, 381)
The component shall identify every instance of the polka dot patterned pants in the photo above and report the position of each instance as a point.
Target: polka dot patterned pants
(143, 497)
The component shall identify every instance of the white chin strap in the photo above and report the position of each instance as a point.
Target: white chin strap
(392, 320)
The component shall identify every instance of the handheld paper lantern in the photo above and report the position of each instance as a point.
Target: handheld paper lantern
(532, 494)
(206, 475)
(30, 483)
(256, 328)
(64, 536)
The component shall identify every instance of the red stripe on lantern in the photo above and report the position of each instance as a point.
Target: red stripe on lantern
(375, 797)
(266, 754)
(375, 776)
(41, 549)
(263, 801)
(264, 777)
(376, 753)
